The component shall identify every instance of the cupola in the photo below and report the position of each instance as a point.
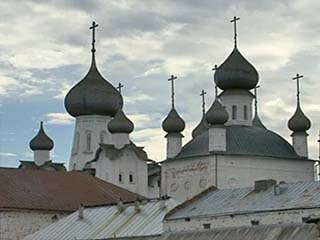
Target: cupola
(41, 141)
(217, 114)
(173, 123)
(120, 123)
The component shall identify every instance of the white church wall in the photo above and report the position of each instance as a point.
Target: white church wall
(16, 224)
(300, 143)
(133, 171)
(242, 102)
(88, 133)
(184, 178)
(264, 218)
(41, 156)
(153, 186)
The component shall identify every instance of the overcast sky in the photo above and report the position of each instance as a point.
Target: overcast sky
(45, 49)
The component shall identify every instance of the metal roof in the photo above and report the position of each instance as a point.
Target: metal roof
(242, 140)
(269, 232)
(107, 222)
(214, 203)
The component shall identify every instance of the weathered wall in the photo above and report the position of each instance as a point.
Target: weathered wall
(277, 217)
(184, 178)
(16, 224)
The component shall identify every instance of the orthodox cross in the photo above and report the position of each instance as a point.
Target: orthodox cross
(256, 99)
(119, 87)
(297, 78)
(93, 28)
(202, 94)
(171, 79)
(215, 86)
(234, 21)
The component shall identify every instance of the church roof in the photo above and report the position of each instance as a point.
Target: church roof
(242, 140)
(218, 203)
(56, 190)
(173, 123)
(41, 141)
(299, 121)
(106, 222)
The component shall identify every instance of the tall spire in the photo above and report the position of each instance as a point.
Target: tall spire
(202, 94)
(171, 79)
(234, 21)
(297, 78)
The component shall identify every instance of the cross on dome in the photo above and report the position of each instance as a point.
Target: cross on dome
(234, 21)
(297, 78)
(171, 79)
(120, 86)
(202, 94)
(93, 28)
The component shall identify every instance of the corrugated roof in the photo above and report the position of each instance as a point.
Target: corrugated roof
(242, 140)
(245, 200)
(57, 191)
(107, 222)
(265, 232)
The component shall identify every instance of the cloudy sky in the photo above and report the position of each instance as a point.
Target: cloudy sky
(45, 49)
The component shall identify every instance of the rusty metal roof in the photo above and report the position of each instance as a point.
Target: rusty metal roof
(56, 191)
(222, 202)
(108, 222)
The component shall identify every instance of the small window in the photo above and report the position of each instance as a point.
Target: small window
(206, 226)
(88, 147)
(120, 178)
(76, 143)
(245, 112)
(234, 112)
(130, 178)
(255, 222)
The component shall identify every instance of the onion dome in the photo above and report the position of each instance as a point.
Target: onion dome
(93, 95)
(173, 123)
(201, 128)
(299, 122)
(41, 141)
(256, 122)
(120, 123)
(236, 73)
(217, 114)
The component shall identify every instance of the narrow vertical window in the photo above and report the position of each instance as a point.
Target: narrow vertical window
(245, 112)
(88, 148)
(76, 143)
(130, 178)
(234, 112)
(120, 178)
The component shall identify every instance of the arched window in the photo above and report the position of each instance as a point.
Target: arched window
(88, 141)
(245, 112)
(234, 112)
(103, 136)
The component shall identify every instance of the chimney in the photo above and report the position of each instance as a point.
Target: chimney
(80, 212)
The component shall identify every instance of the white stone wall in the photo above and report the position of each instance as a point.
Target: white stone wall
(277, 217)
(41, 156)
(300, 143)
(84, 147)
(184, 178)
(125, 164)
(16, 224)
(174, 144)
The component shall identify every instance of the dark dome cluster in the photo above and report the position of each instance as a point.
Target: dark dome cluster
(299, 122)
(93, 95)
(173, 123)
(217, 114)
(41, 141)
(120, 123)
(236, 73)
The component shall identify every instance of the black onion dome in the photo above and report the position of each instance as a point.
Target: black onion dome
(93, 95)
(201, 127)
(120, 123)
(217, 114)
(236, 73)
(299, 122)
(173, 123)
(41, 141)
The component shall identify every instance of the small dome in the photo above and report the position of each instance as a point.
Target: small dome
(120, 123)
(202, 127)
(41, 141)
(93, 95)
(217, 114)
(256, 122)
(299, 122)
(236, 73)
(173, 123)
